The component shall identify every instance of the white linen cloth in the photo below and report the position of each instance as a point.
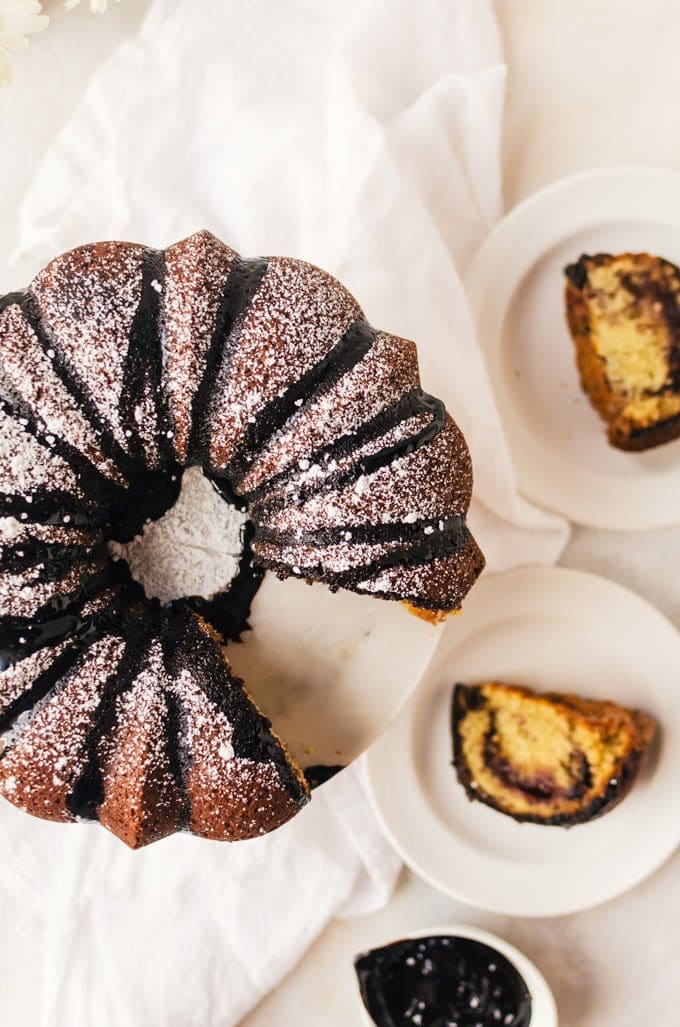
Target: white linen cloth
(365, 137)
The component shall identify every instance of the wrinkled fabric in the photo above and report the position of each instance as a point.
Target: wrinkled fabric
(185, 933)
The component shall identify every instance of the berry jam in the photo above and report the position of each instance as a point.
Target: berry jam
(442, 982)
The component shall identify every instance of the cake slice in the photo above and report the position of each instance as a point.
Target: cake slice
(550, 758)
(624, 315)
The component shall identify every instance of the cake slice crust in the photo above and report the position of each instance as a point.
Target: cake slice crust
(550, 758)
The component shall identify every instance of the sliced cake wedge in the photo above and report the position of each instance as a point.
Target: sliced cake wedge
(624, 315)
(546, 758)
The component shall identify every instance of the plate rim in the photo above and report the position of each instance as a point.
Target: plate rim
(408, 713)
(476, 279)
(543, 1014)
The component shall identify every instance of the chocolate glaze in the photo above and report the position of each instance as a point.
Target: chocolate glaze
(346, 354)
(87, 792)
(409, 406)
(42, 685)
(20, 640)
(61, 618)
(88, 476)
(391, 531)
(128, 466)
(149, 497)
(50, 559)
(319, 773)
(440, 543)
(183, 647)
(442, 981)
(48, 507)
(175, 729)
(242, 283)
(144, 363)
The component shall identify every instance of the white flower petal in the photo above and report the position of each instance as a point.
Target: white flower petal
(19, 8)
(36, 23)
(12, 40)
(96, 6)
(18, 20)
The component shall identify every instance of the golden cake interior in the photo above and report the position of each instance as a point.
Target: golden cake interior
(624, 314)
(548, 758)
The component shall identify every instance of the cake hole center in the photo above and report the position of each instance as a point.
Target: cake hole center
(194, 549)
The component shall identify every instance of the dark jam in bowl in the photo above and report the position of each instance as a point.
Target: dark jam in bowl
(443, 981)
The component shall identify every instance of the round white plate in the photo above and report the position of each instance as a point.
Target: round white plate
(550, 629)
(330, 670)
(516, 288)
(543, 1011)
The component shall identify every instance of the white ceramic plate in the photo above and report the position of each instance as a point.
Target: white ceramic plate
(550, 629)
(516, 285)
(543, 1011)
(330, 670)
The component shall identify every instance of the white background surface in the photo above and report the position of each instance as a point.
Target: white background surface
(589, 84)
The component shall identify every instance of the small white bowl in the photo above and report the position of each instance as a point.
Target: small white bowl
(543, 1009)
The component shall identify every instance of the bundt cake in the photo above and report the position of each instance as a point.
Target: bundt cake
(120, 367)
(550, 758)
(624, 315)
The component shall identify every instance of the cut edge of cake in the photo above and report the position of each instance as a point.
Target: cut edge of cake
(514, 791)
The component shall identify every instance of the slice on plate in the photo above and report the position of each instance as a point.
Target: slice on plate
(546, 758)
(624, 316)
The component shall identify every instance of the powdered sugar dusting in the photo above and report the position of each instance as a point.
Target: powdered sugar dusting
(98, 603)
(196, 270)
(230, 796)
(142, 799)
(22, 595)
(194, 549)
(296, 316)
(330, 559)
(146, 425)
(38, 770)
(436, 584)
(88, 299)
(434, 481)
(13, 532)
(387, 372)
(18, 678)
(27, 467)
(201, 713)
(30, 372)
